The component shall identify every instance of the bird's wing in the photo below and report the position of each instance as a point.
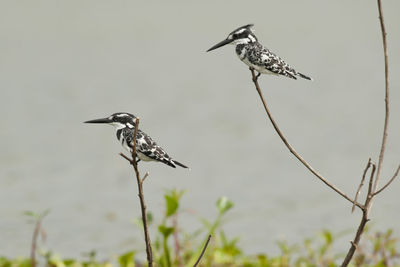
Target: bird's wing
(273, 63)
(151, 149)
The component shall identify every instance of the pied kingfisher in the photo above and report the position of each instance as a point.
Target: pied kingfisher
(251, 52)
(146, 148)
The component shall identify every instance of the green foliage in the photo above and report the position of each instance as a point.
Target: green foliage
(173, 247)
(34, 217)
(127, 259)
(223, 205)
(172, 201)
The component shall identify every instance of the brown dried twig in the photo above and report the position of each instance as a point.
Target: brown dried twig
(386, 123)
(361, 184)
(364, 219)
(37, 230)
(291, 149)
(202, 252)
(34, 242)
(373, 183)
(376, 170)
(389, 182)
(140, 181)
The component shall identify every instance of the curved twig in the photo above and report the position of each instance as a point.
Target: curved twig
(390, 181)
(202, 252)
(386, 124)
(372, 188)
(291, 149)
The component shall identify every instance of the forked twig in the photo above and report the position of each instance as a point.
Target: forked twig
(140, 181)
(361, 184)
(364, 220)
(376, 170)
(202, 252)
(291, 149)
(372, 188)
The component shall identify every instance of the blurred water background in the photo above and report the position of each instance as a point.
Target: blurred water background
(64, 62)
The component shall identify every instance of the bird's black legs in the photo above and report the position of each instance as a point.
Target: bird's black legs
(137, 161)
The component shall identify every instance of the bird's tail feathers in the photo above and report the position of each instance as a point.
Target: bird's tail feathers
(305, 76)
(180, 164)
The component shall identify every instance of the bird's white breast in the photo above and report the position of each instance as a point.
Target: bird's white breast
(143, 157)
(260, 69)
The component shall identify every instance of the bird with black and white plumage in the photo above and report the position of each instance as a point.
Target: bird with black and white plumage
(256, 56)
(146, 148)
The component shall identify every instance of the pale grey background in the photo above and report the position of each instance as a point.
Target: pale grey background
(64, 62)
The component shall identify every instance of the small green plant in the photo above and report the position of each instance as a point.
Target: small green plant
(174, 247)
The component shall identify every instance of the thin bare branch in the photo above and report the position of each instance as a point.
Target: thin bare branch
(38, 229)
(354, 243)
(365, 210)
(374, 184)
(34, 241)
(145, 176)
(125, 157)
(386, 123)
(202, 252)
(371, 179)
(390, 181)
(291, 149)
(133, 162)
(361, 184)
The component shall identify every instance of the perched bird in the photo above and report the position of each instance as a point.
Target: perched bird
(256, 56)
(146, 148)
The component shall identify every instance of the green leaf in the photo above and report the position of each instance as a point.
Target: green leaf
(35, 215)
(172, 205)
(166, 231)
(328, 237)
(30, 213)
(127, 259)
(262, 260)
(224, 204)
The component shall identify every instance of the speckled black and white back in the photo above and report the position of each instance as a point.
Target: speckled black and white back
(256, 56)
(146, 148)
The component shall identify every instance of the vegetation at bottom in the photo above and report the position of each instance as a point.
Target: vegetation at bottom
(174, 247)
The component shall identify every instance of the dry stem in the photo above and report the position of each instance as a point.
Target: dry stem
(202, 252)
(374, 179)
(386, 124)
(364, 220)
(373, 185)
(291, 149)
(140, 181)
(361, 184)
(34, 241)
(390, 181)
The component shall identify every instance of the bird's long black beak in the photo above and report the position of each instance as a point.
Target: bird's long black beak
(104, 120)
(222, 43)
